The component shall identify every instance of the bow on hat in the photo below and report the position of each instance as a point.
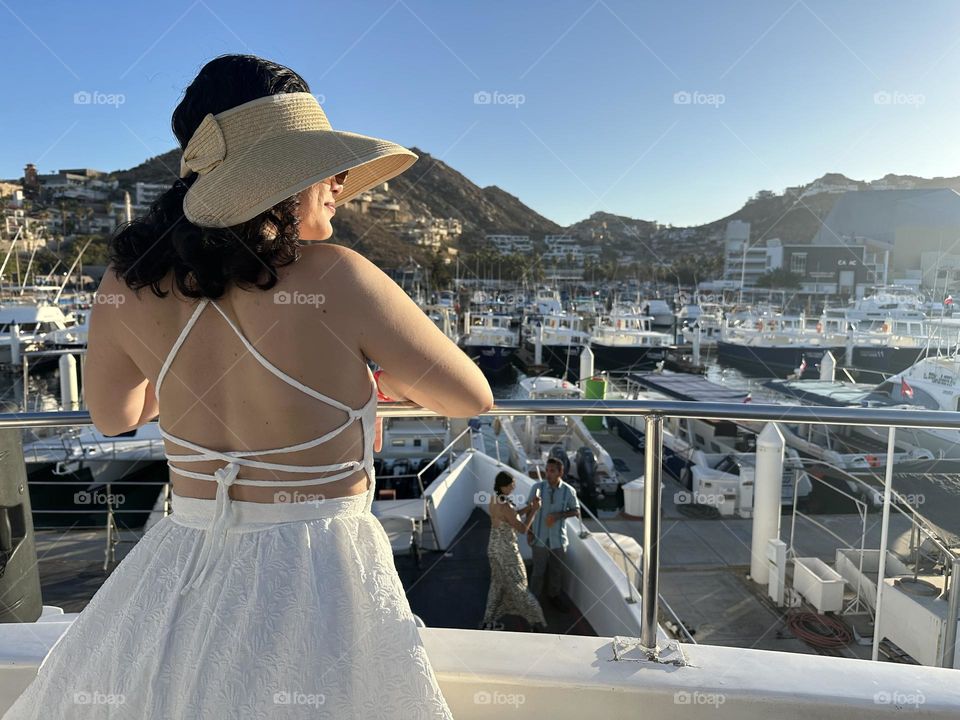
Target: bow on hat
(206, 148)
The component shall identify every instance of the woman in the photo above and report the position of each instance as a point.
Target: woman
(508, 593)
(271, 590)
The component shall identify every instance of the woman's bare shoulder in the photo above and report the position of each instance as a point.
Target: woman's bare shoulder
(345, 261)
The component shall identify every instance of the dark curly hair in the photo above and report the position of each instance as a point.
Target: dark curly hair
(206, 260)
(502, 480)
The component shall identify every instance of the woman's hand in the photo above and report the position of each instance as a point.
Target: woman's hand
(535, 503)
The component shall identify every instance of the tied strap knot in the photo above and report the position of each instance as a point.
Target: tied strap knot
(206, 149)
(216, 534)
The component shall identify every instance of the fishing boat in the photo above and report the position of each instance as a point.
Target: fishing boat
(625, 340)
(560, 338)
(490, 340)
(774, 345)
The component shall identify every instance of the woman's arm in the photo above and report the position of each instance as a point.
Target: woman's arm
(419, 362)
(513, 517)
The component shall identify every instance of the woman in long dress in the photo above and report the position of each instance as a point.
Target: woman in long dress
(508, 594)
(271, 590)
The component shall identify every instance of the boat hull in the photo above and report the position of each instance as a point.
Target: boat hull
(872, 364)
(563, 360)
(774, 361)
(611, 357)
(492, 359)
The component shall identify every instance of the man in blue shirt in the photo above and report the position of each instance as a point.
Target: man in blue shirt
(548, 534)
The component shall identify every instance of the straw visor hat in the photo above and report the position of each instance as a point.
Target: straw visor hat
(252, 156)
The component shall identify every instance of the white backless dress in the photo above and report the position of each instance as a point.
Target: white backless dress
(233, 609)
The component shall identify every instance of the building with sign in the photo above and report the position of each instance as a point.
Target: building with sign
(919, 228)
(846, 271)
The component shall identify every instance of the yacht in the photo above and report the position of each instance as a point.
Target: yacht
(71, 472)
(445, 318)
(625, 340)
(71, 337)
(530, 440)
(708, 317)
(774, 345)
(562, 338)
(716, 458)
(660, 311)
(490, 340)
(932, 384)
(35, 321)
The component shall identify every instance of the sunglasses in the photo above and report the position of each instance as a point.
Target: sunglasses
(341, 177)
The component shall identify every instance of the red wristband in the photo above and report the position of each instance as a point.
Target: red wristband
(380, 395)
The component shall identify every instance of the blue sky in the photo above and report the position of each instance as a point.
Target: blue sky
(670, 111)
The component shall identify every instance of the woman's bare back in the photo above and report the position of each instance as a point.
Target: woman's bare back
(325, 316)
(217, 394)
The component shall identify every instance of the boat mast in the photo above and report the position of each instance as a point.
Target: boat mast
(13, 244)
(23, 284)
(66, 279)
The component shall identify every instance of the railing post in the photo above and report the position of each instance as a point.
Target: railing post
(653, 450)
(884, 533)
(950, 641)
(20, 597)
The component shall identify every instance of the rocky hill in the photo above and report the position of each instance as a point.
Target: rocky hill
(433, 189)
(430, 188)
